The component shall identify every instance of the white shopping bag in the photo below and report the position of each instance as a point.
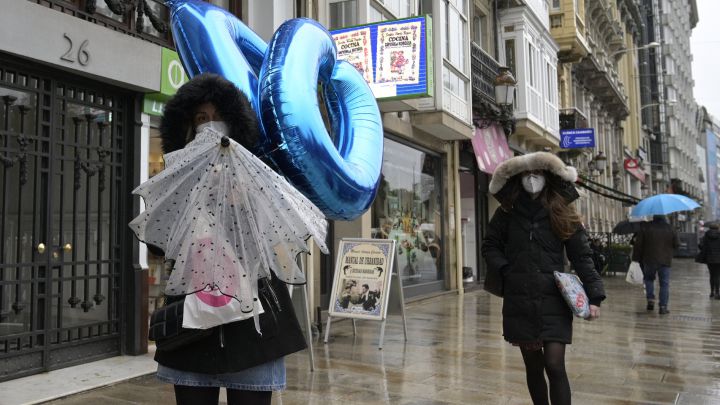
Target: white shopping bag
(634, 274)
(208, 308)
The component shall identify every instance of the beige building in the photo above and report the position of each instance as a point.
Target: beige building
(599, 89)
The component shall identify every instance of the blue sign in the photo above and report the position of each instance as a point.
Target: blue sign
(394, 57)
(577, 138)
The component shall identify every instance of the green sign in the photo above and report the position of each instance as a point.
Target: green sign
(172, 77)
(173, 74)
(153, 104)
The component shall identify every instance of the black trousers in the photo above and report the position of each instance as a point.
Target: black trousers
(714, 277)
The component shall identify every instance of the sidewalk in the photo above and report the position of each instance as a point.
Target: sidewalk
(456, 355)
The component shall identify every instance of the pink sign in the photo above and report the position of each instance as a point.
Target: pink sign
(491, 148)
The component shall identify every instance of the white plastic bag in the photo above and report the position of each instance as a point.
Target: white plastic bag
(574, 294)
(634, 274)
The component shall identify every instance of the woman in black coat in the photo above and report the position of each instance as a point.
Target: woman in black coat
(526, 242)
(710, 251)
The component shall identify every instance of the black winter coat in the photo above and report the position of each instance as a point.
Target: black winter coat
(710, 246)
(521, 244)
(655, 243)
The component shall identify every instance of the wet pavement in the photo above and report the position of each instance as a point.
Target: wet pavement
(455, 354)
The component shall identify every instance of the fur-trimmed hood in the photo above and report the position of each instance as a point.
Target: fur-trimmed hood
(532, 161)
(233, 106)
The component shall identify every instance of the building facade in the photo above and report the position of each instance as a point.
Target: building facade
(71, 290)
(676, 19)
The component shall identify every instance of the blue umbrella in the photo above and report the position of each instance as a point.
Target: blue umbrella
(662, 204)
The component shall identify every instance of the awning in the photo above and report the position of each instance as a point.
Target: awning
(491, 147)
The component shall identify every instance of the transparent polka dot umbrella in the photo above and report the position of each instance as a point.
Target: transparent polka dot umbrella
(226, 219)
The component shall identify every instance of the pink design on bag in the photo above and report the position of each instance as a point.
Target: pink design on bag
(203, 254)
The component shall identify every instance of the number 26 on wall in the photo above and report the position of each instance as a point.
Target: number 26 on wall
(82, 56)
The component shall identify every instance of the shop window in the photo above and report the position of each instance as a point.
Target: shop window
(408, 209)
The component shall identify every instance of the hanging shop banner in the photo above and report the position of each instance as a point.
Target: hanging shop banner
(577, 138)
(394, 57)
(634, 167)
(491, 148)
(361, 284)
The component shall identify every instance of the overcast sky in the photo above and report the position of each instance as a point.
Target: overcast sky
(705, 44)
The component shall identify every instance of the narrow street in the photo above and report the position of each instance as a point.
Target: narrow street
(629, 356)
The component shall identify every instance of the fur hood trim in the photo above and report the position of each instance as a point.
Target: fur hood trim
(233, 106)
(532, 161)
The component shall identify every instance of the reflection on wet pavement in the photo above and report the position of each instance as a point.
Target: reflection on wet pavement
(456, 355)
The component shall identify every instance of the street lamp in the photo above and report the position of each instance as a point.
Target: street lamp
(502, 111)
(600, 161)
(505, 87)
(651, 45)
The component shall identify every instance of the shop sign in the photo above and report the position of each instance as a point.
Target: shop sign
(394, 57)
(642, 154)
(491, 148)
(633, 167)
(173, 76)
(153, 105)
(577, 138)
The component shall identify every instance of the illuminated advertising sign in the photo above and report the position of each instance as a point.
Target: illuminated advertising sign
(394, 57)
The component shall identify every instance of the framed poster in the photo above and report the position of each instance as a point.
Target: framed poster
(394, 57)
(361, 284)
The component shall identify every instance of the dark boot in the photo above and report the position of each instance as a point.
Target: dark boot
(663, 311)
(717, 294)
(650, 305)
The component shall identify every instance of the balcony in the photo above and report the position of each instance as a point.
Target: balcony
(571, 118)
(144, 19)
(484, 71)
(603, 82)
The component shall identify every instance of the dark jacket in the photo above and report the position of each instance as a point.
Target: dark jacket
(655, 243)
(521, 244)
(710, 246)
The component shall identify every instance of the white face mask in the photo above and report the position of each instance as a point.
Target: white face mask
(533, 183)
(217, 126)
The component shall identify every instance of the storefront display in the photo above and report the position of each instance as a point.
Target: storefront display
(408, 209)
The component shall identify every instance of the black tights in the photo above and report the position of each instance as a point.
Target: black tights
(551, 361)
(185, 395)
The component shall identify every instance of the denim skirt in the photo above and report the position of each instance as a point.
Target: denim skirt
(269, 376)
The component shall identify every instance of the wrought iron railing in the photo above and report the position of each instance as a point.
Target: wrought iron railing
(145, 19)
(484, 71)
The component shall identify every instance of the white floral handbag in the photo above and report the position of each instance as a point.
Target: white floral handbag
(574, 294)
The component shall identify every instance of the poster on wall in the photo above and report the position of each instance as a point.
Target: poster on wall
(361, 283)
(398, 53)
(394, 57)
(354, 47)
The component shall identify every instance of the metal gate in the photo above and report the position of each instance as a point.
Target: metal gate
(61, 149)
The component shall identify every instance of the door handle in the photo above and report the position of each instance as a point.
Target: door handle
(41, 248)
(67, 248)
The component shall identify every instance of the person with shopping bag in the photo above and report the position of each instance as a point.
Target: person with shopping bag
(230, 229)
(710, 255)
(525, 243)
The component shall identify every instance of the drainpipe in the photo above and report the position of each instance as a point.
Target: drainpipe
(457, 217)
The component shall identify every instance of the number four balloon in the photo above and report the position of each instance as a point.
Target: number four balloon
(339, 174)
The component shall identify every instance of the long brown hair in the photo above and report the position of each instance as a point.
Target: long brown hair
(564, 220)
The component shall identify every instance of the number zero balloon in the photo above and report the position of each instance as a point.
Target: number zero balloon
(339, 174)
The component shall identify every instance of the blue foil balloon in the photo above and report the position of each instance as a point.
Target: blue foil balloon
(340, 177)
(211, 39)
